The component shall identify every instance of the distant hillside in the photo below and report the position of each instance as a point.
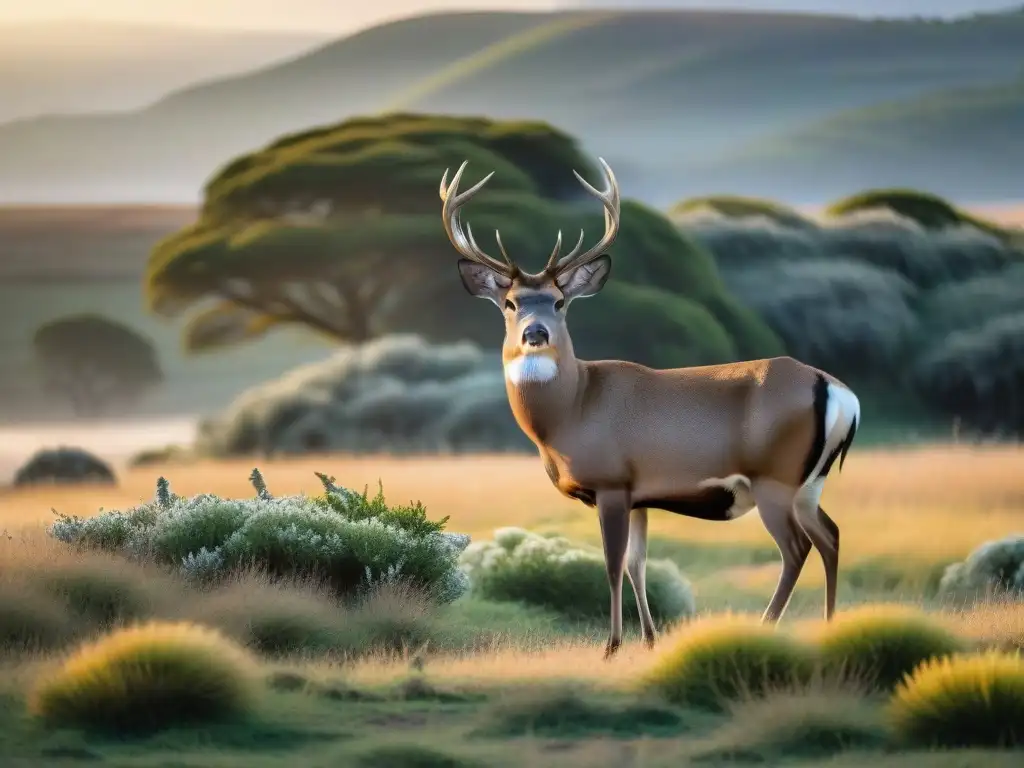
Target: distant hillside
(953, 142)
(664, 96)
(72, 67)
(860, 8)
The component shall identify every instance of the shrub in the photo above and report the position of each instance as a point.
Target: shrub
(31, 621)
(964, 701)
(879, 645)
(802, 724)
(568, 577)
(710, 664)
(273, 617)
(347, 538)
(397, 394)
(284, 618)
(97, 591)
(64, 465)
(147, 678)
(994, 566)
(978, 374)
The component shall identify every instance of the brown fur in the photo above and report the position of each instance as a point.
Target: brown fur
(624, 437)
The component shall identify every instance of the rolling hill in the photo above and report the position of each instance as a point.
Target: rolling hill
(952, 142)
(670, 98)
(70, 67)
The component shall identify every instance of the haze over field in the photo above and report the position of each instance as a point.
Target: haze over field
(65, 66)
(754, 103)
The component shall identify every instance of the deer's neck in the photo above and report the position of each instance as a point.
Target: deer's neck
(542, 390)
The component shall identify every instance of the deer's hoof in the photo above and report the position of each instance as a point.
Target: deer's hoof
(650, 640)
(611, 648)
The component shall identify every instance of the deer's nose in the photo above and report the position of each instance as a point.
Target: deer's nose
(536, 335)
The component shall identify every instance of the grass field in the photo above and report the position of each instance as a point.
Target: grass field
(504, 686)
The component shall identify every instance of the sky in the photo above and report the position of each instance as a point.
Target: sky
(332, 16)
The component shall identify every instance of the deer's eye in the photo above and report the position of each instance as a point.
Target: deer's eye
(560, 303)
(509, 305)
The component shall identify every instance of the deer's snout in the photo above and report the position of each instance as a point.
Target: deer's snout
(536, 335)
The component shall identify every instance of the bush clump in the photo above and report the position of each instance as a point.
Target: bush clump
(64, 465)
(30, 621)
(397, 394)
(962, 701)
(995, 566)
(147, 678)
(878, 646)
(280, 618)
(349, 539)
(797, 724)
(714, 663)
(568, 577)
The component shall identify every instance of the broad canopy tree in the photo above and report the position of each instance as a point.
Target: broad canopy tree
(94, 362)
(339, 229)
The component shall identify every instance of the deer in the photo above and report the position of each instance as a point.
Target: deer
(709, 442)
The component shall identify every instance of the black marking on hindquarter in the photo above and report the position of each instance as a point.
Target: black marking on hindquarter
(585, 495)
(840, 451)
(711, 503)
(818, 444)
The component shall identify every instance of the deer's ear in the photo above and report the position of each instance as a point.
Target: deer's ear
(483, 282)
(586, 279)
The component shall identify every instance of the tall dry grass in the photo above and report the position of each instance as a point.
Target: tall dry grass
(929, 504)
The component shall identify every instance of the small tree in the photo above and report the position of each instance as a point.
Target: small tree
(95, 362)
(338, 229)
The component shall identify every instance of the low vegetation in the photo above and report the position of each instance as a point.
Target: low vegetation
(996, 566)
(967, 701)
(718, 662)
(351, 540)
(911, 301)
(878, 646)
(567, 577)
(64, 465)
(146, 678)
(399, 395)
(253, 665)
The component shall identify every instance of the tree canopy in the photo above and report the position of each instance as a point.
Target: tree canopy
(338, 229)
(95, 362)
(899, 293)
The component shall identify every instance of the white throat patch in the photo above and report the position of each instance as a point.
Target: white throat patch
(532, 369)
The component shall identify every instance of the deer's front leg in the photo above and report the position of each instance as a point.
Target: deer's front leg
(613, 514)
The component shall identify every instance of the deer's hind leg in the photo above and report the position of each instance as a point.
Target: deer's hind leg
(824, 535)
(775, 504)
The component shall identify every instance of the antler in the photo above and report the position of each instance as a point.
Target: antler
(610, 198)
(463, 241)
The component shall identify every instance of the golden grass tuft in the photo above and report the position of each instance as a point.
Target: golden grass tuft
(962, 701)
(148, 677)
(715, 661)
(878, 645)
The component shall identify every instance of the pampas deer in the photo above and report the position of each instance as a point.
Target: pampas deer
(709, 442)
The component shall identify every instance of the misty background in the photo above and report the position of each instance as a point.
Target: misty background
(116, 122)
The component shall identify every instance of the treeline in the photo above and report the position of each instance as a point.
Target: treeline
(895, 290)
(338, 229)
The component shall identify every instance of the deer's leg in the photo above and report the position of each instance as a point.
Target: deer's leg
(636, 570)
(824, 535)
(775, 505)
(613, 513)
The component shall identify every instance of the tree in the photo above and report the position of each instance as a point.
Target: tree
(338, 229)
(95, 362)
